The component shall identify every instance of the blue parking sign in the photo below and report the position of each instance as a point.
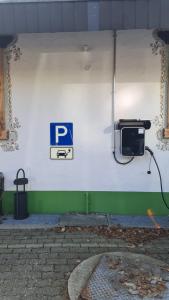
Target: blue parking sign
(61, 134)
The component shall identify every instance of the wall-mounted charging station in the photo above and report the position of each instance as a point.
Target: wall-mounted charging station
(132, 136)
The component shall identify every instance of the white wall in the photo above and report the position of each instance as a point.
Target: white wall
(50, 84)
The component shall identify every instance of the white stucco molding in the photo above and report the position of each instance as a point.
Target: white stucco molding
(12, 123)
(160, 48)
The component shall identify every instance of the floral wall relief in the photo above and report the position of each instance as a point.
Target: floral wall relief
(12, 123)
(159, 47)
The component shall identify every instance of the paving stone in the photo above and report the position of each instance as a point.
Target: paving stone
(56, 261)
(3, 246)
(5, 250)
(28, 255)
(5, 268)
(10, 298)
(77, 245)
(34, 245)
(53, 275)
(6, 275)
(37, 250)
(17, 246)
(22, 250)
(53, 245)
(60, 249)
(43, 268)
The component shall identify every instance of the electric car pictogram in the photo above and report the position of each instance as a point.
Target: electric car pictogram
(63, 153)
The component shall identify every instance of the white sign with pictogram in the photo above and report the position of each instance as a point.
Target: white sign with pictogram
(61, 153)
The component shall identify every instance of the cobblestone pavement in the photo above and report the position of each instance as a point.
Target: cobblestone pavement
(36, 264)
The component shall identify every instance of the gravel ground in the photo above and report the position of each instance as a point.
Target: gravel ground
(36, 264)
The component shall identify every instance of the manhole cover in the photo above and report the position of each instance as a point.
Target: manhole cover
(119, 276)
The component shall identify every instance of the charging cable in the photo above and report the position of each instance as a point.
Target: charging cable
(159, 173)
(120, 162)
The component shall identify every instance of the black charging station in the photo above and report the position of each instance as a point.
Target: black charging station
(132, 135)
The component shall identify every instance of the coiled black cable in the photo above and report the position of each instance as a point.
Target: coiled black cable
(120, 162)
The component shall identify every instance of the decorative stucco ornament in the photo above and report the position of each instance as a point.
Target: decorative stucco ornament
(12, 123)
(156, 47)
(160, 48)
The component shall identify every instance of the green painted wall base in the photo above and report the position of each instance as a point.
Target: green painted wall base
(122, 203)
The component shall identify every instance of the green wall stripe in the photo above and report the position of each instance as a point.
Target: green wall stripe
(124, 203)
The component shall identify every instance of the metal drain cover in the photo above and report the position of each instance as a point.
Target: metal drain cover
(119, 276)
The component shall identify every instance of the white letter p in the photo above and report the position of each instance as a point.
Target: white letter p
(58, 133)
